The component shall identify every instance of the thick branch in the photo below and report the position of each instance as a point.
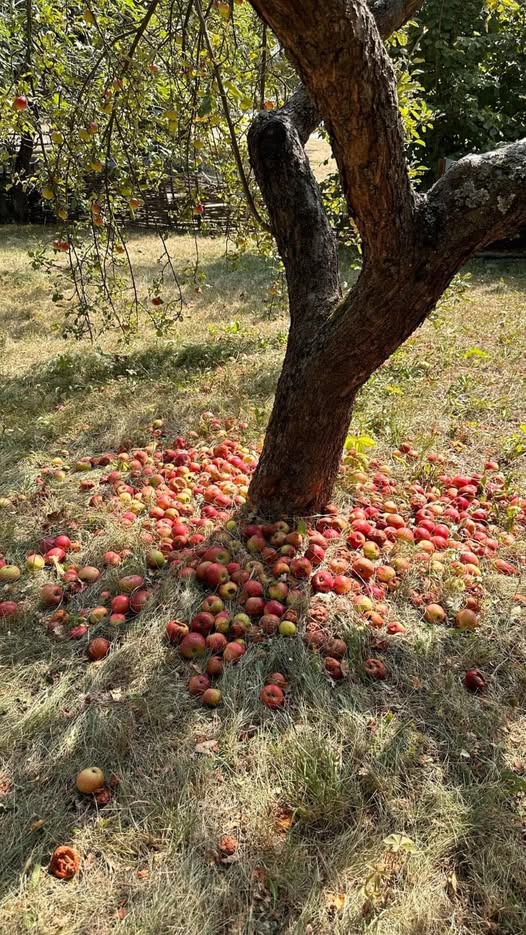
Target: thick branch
(339, 54)
(479, 200)
(302, 112)
(305, 240)
(389, 16)
(294, 203)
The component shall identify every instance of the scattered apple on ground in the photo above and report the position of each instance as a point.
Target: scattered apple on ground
(395, 544)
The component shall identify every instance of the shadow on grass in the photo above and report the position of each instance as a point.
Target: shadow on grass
(160, 370)
(72, 373)
(347, 765)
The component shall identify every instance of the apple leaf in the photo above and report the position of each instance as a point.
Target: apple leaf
(205, 106)
(359, 443)
(400, 842)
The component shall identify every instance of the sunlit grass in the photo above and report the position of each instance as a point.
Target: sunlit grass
(312, 793)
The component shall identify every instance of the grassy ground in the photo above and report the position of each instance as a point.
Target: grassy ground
(314, 793)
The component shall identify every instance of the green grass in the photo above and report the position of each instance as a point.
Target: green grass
(312, 793)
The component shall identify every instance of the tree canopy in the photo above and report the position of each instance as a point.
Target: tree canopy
(115, 97)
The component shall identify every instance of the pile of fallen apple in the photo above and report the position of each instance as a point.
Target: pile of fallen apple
(251, 581)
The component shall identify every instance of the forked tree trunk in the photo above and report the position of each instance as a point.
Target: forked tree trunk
(412, 245)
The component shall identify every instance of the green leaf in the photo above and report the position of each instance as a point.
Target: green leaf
(400, 842)
(477, 352)
(205, 106)
(359, 443)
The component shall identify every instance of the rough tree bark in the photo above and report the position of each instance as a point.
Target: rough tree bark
(412, 245)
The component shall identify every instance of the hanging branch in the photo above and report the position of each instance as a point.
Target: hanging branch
(226, 109)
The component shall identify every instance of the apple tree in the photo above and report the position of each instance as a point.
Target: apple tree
(412, 244)
(124, 88)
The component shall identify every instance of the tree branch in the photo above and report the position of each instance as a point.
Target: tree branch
(479, 200)
(389, 16)
(303, 113)
(304, 237)
(231, 129)
(341, 59)
(298, 220)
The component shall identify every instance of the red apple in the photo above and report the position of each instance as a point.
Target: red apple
(51, 595)
(130, 583)
(375, 668)
(315, 553)
(215, 574)
(89, 574)
(363, 568)
(272, 696)
(336, 648)
(255, 606)
(394, 627)
(63, 542)
(98, 648)
(434, 613)
(322, 582)
(212, 604)
(215, 666)
(176, 631)
(301, 567)
(192, 645)
(253, 588)
(333, 667)
(466, 619)
(120, 604)
(278, 590)
(276, 678)
(139, 599)
(111, 558)
(474, 680)
(216, 642)
(211, 697)
(234, 651)
(202, 623)
(198, 684)
(20, 103)
(342, 584)
(269, 624)
(76, 633)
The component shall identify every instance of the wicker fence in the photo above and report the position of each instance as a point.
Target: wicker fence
(168, 207)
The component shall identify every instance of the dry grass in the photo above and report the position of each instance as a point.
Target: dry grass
(312, 793)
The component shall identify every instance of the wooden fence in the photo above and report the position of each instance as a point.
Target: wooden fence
(170, 207)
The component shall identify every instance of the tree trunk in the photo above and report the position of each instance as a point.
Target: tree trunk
(412, 244)
(304, 439)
